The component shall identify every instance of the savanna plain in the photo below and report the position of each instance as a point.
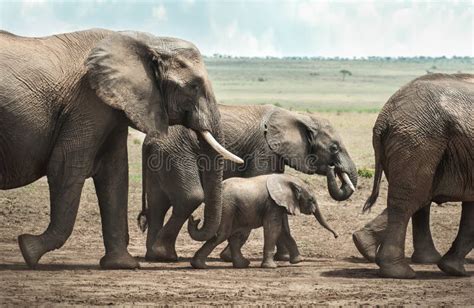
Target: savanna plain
(333, 272)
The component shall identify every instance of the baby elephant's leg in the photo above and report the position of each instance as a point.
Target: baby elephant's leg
(236, 241)
(272, 226)
(199, 259)
(290, 242)
(226, 254)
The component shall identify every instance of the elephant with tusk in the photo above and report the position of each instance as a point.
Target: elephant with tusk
(66, 102)
(266, 137)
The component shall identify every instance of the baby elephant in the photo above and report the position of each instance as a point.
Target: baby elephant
(249, 203)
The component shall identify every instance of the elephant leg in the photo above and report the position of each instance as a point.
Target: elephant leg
(66, 173)
(272, 226)
(282, 253)
(368, 239)
(199, 259)
(410, 169)
(424, 249)
(164, 248)
(65, 193)
(111, 184)
(236, 241)
(391, 255)
(226, 254)
(452, 263)
(289, 242)
(158, 206)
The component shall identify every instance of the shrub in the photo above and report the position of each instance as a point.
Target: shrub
(366, 173)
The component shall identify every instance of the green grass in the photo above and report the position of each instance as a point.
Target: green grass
(366, 173)
(317, 85)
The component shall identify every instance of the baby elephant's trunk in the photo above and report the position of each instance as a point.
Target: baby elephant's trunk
(322, 221)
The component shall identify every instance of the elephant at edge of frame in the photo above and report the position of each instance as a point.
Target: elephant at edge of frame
(66, 102)
(424, 143)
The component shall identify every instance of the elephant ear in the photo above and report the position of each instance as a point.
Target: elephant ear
(124, 73)
(288, 134)
(285, 193)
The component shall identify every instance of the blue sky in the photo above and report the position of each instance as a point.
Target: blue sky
(267, 28)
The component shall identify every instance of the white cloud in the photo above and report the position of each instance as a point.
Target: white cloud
(387, 29)
(159, 12)
(314, 28)
(229, 39)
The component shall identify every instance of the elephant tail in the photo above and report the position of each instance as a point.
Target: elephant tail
(142, 217)
(377, 143)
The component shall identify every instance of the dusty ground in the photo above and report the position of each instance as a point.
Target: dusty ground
(333, 272)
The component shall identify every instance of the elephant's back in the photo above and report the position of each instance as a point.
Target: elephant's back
(432, 105)
(246, 194)
(50, 56)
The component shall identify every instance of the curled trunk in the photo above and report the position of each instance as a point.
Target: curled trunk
(348, 179)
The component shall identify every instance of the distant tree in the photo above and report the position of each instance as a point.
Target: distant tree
(345, 73)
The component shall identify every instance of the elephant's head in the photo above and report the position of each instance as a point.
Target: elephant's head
(311, 145)
(160, 81)
(294, 195)
(156, 81)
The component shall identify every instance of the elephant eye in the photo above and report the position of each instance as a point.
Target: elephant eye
(334, 148)
(194, 87)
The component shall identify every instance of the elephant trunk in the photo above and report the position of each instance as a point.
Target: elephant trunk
(322, 221)
(348, 179)
(210, 165)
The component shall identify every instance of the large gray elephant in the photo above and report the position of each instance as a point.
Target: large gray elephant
(424, 142)
(66, 102)
(266, 137)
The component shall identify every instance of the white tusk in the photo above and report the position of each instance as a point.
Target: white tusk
(220, 149)
(347, 180)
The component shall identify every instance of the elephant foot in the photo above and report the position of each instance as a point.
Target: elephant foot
(296, 259)
(426, 256)
(281, 256)
(268, 264)
(32, 249)
(160, 253)
(366, 244)
(451, 266)
(198, 263)
(399, 270)
(240, 263)
(226, 255)
(119, 261)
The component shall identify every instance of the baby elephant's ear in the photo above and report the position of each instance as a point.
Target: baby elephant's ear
(285, 193)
